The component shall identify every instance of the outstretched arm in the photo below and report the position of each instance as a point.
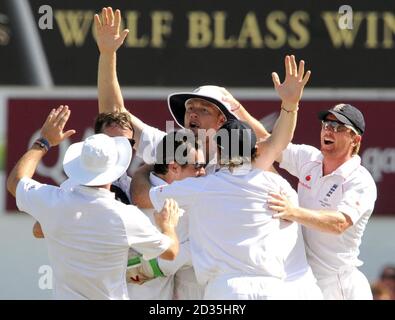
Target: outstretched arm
(290, 92)
(109, 40)
(52, 132)
(330, 221)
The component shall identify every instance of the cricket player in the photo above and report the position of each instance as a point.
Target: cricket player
(336, 198)
(86, 224)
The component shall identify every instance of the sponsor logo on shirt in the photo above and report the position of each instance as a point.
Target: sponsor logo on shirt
(304, 185)
(32, 186)
(324, 202)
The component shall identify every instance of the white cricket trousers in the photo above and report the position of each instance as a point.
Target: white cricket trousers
(348, 284)
(302, 287)
(186, 286)
(243, 287)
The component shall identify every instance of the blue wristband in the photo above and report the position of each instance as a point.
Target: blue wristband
(43, 143)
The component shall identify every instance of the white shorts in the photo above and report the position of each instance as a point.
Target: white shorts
(349, 284)
(243, 287)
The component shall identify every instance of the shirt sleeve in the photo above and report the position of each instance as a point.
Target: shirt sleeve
(185, 192)
(295, 156)
(182, 260)
(143, 236)
(36, 199)
(149, 139)
(358, 198)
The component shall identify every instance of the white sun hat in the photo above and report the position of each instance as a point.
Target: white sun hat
(98, 160)
(213, 94)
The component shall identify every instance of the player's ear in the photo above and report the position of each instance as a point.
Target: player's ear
(221, 120)
(173, 168)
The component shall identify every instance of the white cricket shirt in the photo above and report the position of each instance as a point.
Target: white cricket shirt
(350, 189)
(231, 229)
(88, 234)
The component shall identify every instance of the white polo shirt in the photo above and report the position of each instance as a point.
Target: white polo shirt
(231, 229)
(350, 189)
(88, 234)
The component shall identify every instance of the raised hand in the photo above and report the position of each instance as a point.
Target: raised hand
(52, 130)
(107, 30)
(291, 90)
(228, 98)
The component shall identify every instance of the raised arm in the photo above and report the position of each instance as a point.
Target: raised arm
(243, 114)
(51, 135)
(290, 92)
(109, 40)
(109, 91)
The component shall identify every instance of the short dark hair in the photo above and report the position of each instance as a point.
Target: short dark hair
(122, 119)
(237, 143)
(174, 147)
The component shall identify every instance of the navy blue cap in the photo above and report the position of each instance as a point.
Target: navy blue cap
(346, 114)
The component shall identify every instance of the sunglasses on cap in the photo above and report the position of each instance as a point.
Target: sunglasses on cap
(336, 126)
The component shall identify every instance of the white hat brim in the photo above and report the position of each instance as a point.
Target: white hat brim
(176, 104)
(78, 173)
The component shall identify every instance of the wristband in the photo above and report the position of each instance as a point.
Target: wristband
(238, 107)
(289, 111)
(43, 143)
(155, 268)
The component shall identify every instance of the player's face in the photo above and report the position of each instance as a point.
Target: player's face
(337, 140)
(195, 166)
(201, 114)
(114, 130)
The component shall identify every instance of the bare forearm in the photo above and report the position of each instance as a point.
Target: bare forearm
(284, 128)
(182, 260)
(25, 167)
(322, 220)
(172, 251)
(260, 131)
(140, 188)
(270, 149)
(110, 95)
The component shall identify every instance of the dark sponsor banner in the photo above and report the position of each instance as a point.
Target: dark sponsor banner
(25, 117)
(12, 66)
(230, 43)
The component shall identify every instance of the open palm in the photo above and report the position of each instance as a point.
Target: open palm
(107, 30)
(291, 90)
